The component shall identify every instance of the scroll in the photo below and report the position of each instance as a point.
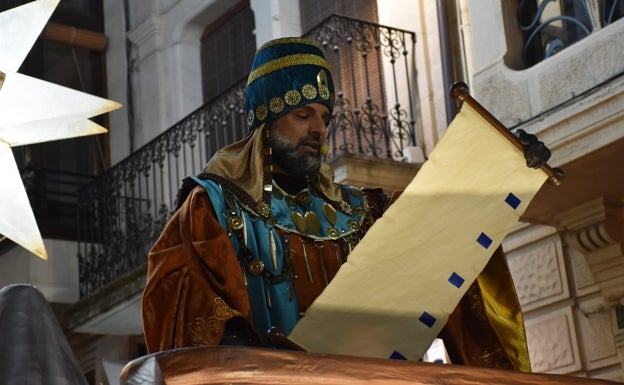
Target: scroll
(406, 276)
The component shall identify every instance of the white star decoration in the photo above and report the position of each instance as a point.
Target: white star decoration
(33, 111)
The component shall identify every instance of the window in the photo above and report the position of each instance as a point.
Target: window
(538, 29)
(227, 50)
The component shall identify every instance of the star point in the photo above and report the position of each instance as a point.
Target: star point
(33, 111)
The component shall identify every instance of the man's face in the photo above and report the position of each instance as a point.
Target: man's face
(296, 138)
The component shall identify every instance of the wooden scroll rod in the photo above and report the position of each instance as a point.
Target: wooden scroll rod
(459, 92)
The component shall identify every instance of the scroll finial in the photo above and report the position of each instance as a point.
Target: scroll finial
(459, 90)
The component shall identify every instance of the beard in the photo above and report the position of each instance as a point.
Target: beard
(288, 156)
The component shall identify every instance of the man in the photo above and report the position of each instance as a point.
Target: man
(263, 229)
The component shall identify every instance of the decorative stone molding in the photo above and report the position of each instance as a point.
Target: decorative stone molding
(538, 271)
(619, 345)
(592, 238)
(148, 37)
(595, 326)
(552, 342)
(581, 274)
(365, 171)
(596, 230)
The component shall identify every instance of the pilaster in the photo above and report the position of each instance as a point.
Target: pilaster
(597, 232)
(148, 37)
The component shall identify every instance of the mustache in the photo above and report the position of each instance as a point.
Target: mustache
(311, 138)
(323, 143)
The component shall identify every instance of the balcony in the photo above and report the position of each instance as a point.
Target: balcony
(122, 212)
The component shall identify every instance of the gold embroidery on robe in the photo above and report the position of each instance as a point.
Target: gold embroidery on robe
(208, 331)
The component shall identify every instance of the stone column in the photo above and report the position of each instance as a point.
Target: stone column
(597, 232)
(278, 18)
(596, 229)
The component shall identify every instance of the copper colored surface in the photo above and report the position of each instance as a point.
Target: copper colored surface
(241, 365)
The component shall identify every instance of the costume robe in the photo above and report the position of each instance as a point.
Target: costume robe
(197, 285)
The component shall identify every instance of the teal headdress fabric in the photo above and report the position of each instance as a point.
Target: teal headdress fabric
(287, 73)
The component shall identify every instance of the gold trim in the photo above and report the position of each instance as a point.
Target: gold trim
(309, 91)
(313, 224)
(333, 234)
(292, 97)
(288, 40)
(255, 267)
(276, 105)
(303, 198)
(324, 92)
(208, 331)
(235, 223)
(321, 79)
(273, 249)
(330, 213)
(263, 209)
(299, 221)
(287, 61)
(262, 112)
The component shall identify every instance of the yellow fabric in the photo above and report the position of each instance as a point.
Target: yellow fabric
(402, 266)
(243, 167)
(242, 163)
(503, 310)
(475, 336)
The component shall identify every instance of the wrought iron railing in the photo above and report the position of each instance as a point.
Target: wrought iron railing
(549, 26)
(123, 211)
(374, 115)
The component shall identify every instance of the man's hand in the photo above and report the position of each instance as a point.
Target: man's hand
(535, 152)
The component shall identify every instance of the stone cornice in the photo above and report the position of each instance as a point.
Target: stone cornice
(583, 124)
(597, 230)
(148, 36)
(582, 216)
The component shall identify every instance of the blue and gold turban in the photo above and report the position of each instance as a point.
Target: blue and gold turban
(287, 73)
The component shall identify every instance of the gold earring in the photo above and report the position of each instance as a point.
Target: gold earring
(324, 150)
